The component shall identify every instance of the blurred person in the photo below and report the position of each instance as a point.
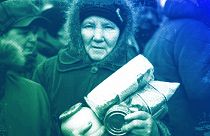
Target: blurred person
(20, 21)
(179, 51)
(98, 33)
(51, 38)
(147, 19)
(24, 106)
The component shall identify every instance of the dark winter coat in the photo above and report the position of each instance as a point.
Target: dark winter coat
(180, 52)
(68, 79)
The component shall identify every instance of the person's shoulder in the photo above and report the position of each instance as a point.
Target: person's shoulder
(48, 63)
(31, 90)
(51, 60)
(182, 27)
(31, 87)
(22, 84)
(29, 83)
(62, 56)
(183, 23)
(194, 29)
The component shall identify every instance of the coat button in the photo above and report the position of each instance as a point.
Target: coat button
(94, 69)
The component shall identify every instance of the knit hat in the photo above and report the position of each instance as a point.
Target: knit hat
(113, 10)
(17, 13)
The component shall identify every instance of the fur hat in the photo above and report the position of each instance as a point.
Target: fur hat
(11, 56)
(72, 28)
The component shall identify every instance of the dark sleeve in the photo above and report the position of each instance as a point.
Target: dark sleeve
(163, 129)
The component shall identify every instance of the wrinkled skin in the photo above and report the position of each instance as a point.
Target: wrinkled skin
(140, 123)
(84, 130)
(99, 36)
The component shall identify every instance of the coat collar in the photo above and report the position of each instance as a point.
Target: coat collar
(68, 61)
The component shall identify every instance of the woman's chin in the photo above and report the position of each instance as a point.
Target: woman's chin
(97, 55)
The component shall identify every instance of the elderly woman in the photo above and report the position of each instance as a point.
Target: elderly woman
(98, 34)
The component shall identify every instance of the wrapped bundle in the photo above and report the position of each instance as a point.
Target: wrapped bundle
(117, 87)
(152, 98)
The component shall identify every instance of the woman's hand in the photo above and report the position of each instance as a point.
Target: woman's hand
(140, 123)
(84, 131)
(80, 121)
(76, 132)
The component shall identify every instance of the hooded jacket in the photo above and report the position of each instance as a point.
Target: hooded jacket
(24, 106)
(179, 51)
(71, 75)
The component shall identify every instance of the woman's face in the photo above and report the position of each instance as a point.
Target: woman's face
(99, 36)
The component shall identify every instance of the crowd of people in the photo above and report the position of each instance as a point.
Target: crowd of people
(53, 53)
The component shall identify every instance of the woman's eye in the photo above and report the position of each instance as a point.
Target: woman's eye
(108, 27)
(88, 26)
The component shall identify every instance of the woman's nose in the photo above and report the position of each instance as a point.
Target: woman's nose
(98, 35)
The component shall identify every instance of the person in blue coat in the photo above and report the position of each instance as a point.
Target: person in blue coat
(179, 51)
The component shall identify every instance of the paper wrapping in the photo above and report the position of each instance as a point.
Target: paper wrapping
(152, 98)
(118, 86)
